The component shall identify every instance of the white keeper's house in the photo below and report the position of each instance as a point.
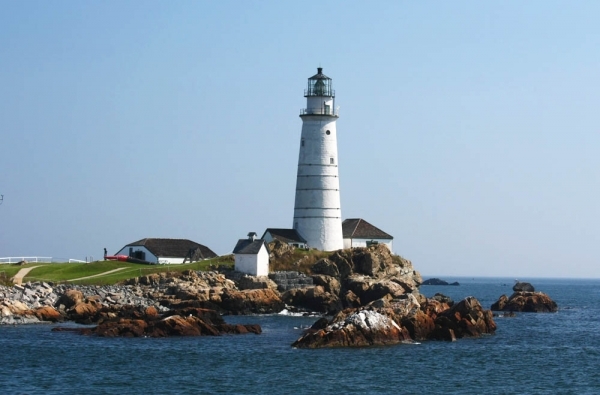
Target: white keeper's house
(167, 251)
(359, 233)
(252, 256)
(287, 236)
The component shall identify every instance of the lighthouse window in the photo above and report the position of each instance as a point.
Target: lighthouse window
(331, 161)
(328, 132)
(302, 142)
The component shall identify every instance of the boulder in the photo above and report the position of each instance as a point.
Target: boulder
(432, 306)
(371, 260)
(530, 302)
(419, 326)
(177, 325)
(84, 312)
(380, 289)
(18, 307)
(151, 311)
(343, 261)
(404, 306)
(443, 299)
(5, 312)
(70, 298)
(279, 249)
(47, 313)
(252, 301)
(368, 289)
(329, 283)
(523, 287)
(357, 329)
(326, 267)
(357, 284)
(350, 300)
(121, 328)
(313, 299)
(464, 319)
(500, 303)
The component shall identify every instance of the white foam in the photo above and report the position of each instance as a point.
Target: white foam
(288, 313)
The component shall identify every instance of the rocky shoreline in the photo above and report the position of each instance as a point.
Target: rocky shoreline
(372, 296)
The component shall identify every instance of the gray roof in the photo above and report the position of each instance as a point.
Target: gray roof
(248, 246)
(177, 248)
(358, 228)
(285, 235)
(319, 75)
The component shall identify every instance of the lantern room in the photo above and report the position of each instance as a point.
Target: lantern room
(320, 98)
(319, 85)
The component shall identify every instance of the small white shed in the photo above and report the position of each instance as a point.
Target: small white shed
(252, 256)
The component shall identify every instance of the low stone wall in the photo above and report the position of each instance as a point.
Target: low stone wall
(291, 280)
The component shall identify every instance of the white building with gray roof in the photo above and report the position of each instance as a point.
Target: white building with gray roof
(252, 256)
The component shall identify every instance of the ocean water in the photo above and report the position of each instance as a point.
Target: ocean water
(529, 354)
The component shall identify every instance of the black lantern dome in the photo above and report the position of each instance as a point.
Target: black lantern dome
(319, 85)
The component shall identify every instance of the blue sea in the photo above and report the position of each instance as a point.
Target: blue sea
(529, 354)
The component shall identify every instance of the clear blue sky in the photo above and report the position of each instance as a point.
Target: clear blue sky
(468, 130)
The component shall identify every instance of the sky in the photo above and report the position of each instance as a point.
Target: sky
(468, 130)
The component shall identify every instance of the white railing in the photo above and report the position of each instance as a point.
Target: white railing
(42, 259)
(28, 259)
(320, 111)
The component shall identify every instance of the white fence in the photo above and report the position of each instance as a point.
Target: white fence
(42, 259)
(28, 259)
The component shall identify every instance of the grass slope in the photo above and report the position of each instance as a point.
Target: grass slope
(68, 272)
(298, 260)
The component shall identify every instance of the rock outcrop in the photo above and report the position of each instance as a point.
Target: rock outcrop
(523, 287)
(356, 329)
(354, 277)
(185, 322)
(279, 249)
(389, 321)
(252, 301)
(531, 302)
(437, 281)
(372, 295)
(315, 299)
(464, 319)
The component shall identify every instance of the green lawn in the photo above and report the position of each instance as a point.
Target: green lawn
(299, 260)
(65, 272)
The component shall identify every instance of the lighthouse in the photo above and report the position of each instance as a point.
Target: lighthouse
(317, 211)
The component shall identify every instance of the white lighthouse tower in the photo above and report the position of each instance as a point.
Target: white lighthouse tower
(317, 211)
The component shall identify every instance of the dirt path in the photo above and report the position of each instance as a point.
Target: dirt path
(18, 278)
(97, 275)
